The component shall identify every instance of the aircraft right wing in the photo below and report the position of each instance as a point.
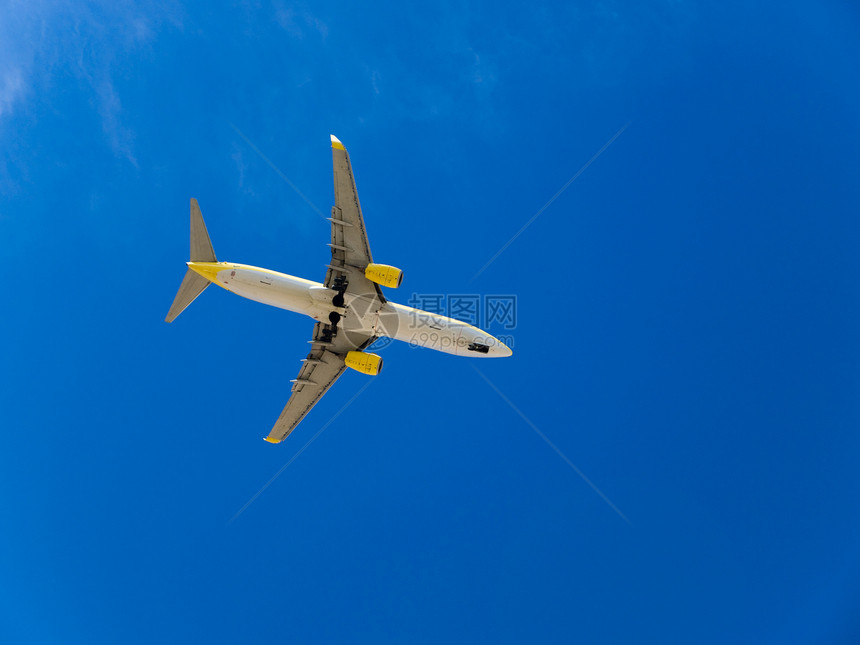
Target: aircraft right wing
(350, 250)
(350, 255)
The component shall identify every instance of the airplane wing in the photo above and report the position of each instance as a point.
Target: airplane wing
(322, 367)
(350, 255)
(350, 250)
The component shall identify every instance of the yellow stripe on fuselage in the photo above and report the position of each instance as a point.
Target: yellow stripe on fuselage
(210, 271)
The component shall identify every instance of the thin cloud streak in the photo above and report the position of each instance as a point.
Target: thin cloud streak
(554, 197)
(38, 47)
(278, 170)
(296, 456)
(553, 446)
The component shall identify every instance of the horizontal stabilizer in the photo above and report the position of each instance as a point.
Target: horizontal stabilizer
(201, 245)
(192, 285)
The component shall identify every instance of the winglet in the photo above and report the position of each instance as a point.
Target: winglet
(335, 143)
(271, 440)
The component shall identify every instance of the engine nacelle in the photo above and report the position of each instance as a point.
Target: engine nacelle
(364, 362)
(383, 274)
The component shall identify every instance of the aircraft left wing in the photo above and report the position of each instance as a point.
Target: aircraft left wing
(350, 255)
(322, 367)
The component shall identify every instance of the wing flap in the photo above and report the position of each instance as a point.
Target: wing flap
(350, 249)
(350, 255)
(317, 374)
(323, 365)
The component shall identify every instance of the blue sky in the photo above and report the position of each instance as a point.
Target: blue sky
(687, 316)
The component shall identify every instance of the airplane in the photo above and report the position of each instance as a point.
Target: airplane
(349, 308)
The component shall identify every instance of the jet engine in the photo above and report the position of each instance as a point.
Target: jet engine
(364, 362)
(383, 274)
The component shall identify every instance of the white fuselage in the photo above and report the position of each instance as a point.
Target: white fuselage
(362, 315)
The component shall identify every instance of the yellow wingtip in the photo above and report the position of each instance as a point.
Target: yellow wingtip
(335, 143)
(271, 440)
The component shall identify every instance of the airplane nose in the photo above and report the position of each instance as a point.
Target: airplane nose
(503, 350)
(498, 349)
(481, 344)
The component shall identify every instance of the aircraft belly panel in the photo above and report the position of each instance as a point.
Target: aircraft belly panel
(269, 288)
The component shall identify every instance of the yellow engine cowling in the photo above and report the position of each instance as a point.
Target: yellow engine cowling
(364, 362)
(383, 274)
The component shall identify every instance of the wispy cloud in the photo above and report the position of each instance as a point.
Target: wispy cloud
(43, 42)
(296, 19)
(120, 136)
(19, 41)
(11, 88)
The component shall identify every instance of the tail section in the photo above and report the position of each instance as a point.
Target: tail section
(201, 245)
(192, 286)
(201, 251)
